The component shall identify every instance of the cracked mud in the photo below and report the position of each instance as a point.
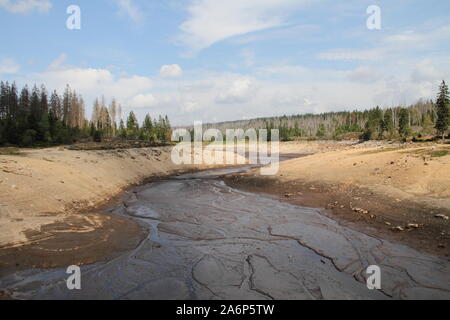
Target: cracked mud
(209, 241)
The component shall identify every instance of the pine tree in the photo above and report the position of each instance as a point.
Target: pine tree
(122, 130)
(388, 124)
(443, 113)
(132, 125)
(13, 101)
(148, 127)
(55, 106)
(66, 105)
(43, 101)
(24, 101)
(4, 93)
(404, 128)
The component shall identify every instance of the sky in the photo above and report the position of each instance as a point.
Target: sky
(215, 60)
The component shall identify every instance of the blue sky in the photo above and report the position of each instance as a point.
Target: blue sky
(215, 60)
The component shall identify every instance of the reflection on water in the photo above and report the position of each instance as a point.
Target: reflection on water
(209, 241)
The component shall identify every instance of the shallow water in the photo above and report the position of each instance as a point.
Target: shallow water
(209, 241)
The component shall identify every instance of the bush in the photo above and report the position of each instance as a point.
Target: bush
(28, 138)
(97, 136)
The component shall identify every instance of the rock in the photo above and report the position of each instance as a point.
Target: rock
(412, 226)
(359, 210)
(288, 195)
(387, 223)
(442, 216)
(399, 228)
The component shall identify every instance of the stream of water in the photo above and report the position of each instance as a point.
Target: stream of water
(209, 241)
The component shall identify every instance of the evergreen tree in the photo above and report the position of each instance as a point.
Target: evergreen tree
(388, 124)
(122, 130)
(67, 97)
(55, 106)
(443, 113)
(24, 101)
(35, 103)
(148, 127)
(43, 101)
(321, 130)
(404, 128)
(132, 125)
(4, 93)
(13, 101)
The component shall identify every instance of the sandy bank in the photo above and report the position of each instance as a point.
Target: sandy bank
(43, 187)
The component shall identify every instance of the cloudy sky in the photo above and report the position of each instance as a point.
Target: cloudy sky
(215, 60)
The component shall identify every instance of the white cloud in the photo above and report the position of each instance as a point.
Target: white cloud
(268, 91)
(240, 91)
(92, 83)
(211, 21)
(129, 9)
(170, 71)
(352, 54)
(24, 6)
(143, 101)
(364, 75)
(429, 71)
(190, 106)
(8, 65)
(419, 39)
(55, 64)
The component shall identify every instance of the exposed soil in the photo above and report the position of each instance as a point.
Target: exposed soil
(379, 215)
(77, 240)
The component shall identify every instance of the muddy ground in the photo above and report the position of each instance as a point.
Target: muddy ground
(413, 224)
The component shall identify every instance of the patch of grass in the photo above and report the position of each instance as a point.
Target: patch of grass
(439, 153)
(426, 152)
(380, 150)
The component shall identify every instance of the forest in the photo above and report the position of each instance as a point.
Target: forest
(422, 119)
(33, 117)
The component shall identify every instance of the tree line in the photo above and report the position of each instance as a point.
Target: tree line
(424, 118)
(33, 117)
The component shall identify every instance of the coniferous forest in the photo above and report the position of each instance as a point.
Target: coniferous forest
(35, 117)
(422, 119)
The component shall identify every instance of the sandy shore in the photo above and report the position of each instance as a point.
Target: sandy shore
(42, 187)
(399, 191)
